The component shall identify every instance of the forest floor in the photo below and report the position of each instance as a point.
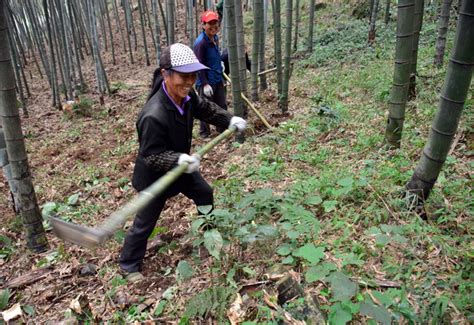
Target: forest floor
(318, 198)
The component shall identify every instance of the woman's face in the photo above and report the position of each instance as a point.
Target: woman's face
(178, 84)
(211, 28)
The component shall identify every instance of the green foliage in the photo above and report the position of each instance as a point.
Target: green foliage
(82, 107)
(6, 248)
(210, 302)
(184, 270)
(116, 86)
(4, 298)
(345, 43)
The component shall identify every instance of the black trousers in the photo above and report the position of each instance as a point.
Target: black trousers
(194, 186)
(218, 97)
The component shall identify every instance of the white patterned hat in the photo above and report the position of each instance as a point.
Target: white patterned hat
(181, 58)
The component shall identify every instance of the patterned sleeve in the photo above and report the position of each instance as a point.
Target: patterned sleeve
(163, 161)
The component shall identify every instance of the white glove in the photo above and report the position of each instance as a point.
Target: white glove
(207, 90)
(193, 162)
(239, 123)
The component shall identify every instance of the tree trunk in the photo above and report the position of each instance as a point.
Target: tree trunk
(111, 35)
(22, 185)
(190, 22)
(229, 13)
(401, 74)
(163, 16)
(102, 82)
(451, 103)
(14, 58)
(417, 24)
(276, 9)
(170, 17)
(257, 17)
(310, 42)
(286, 72)
(5, 165)
(119, 25)
(154, 8)
(241, 51)
(130, 28)
(297, 23)
(77, 46)
(387, 12)
(443, 25)
(373, 20)
(54, 80)
(262, 40)
(142, 24)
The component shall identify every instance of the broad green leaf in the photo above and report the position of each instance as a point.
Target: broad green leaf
(392, 229)
(48, 209)
(222, 214)
(284, 250)
(372, 231)
(267, 231)
(313, 200)
(384, 299)
(169, 293)
(342, 287)
(362, 182)
(6, 242)
(157, 231)
(72, 200)
(346, 181)
(4, 297)
(160, 307)
(329, 205)
(230, 277)
(319, 272)
(399, 239)
(351, 259)
(204, 209)
(310, 253)
(196, 224)
(381, 240)
(185, 270)
(29, 309)
(380, 314)
(339, 315)
(288, 260)
(293, 234)
(213, 242)
(248, 271)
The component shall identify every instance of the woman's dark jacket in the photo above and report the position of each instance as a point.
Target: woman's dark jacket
(164, 134)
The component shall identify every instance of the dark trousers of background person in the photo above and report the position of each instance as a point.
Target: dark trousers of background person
(218, 97)
(194, 186)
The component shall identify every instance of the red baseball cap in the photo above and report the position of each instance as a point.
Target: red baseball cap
(208, 16)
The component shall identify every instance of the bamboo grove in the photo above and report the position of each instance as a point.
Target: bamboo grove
(54, 37)
(57, 36)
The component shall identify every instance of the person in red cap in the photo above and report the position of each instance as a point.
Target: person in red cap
(210, 82)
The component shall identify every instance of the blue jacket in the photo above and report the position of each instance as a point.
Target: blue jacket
(209, 55)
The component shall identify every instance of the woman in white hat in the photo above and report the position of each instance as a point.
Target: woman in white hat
(164, 129)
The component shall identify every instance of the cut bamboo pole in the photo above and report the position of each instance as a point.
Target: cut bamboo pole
(251, 105)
